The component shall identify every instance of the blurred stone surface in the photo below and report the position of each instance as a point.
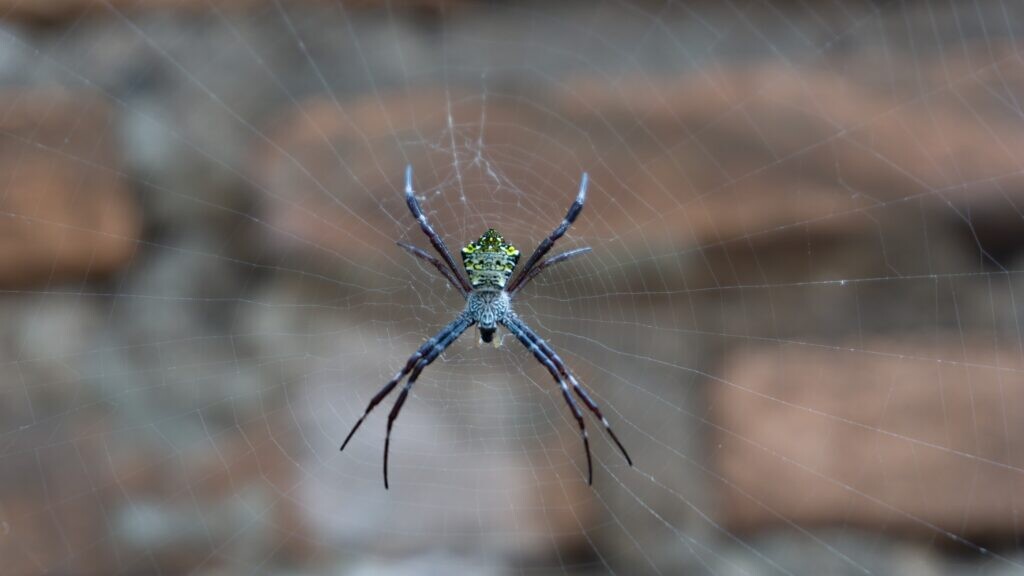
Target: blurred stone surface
(751, 148)
(912, 435)
(835, 551)
(53, 465)
(95, 479)
(66, 212)
(229, 484)
(59, 11)
(189, 421)
(49, 507)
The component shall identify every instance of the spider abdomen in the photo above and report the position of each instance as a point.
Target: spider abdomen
(489, 261)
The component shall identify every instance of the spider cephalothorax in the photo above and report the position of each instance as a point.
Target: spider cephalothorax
(488, 308)
(489, 263)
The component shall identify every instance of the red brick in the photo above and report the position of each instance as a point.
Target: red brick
(747, 149)
(886, 434)
(65, 210)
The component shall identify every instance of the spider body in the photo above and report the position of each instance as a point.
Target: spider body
(489, 289)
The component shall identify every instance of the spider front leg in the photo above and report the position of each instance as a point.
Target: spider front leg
(548, 263)
(547, 243)
(435, 263)
(458, 326)
(435, 239)
(516, 328)
(567, 374)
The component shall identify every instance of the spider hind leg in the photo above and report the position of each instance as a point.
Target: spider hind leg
(414, 365)
(516, 328)
(568, 375)
(440, 344)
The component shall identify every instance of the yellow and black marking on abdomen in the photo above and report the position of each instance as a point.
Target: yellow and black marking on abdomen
(489, 261)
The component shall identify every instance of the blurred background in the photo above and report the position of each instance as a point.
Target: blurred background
(802, 314)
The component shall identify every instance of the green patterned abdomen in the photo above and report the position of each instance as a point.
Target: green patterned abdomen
(489, 261)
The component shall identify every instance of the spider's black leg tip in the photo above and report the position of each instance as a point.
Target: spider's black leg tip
(590, 461)
(625, 455)
(351, 434)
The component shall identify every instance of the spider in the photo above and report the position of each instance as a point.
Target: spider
(489, 262)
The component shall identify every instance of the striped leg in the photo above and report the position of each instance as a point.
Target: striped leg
(435, 239)
(409, 366)
(515, 328)
(456, 329)
(567, 374)
(435, 263)
(558, 232)
(549, 262)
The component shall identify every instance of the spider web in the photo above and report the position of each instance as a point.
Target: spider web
(804, 270)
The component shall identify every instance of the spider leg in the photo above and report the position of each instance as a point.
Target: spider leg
(546, 263)
(580, 391)
(435, 239)
(435, 263)
(409, 366)
(439, 346)
(558, 232)
(516, 328)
